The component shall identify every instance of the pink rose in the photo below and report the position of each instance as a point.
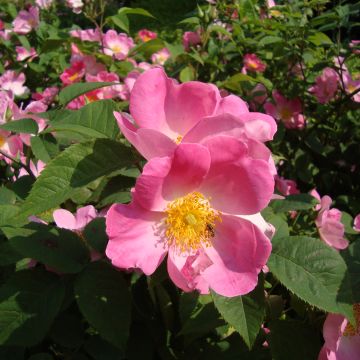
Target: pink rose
(13, 82)
(357, 223)
(117, 45)
(23, 53)
(326, 85)
(201, 207)
(190, 38)
(160, 57)
(73, 74)
(26, 20)
(166, 113)
(328, 222)
(286, 110)
(147, 35)
(286, 187)
(87, 35)
(252, 63)
(342, 340)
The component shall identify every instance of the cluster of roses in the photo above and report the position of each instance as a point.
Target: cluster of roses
(199, 197)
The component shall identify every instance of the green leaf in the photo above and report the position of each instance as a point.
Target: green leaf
(313, 271)
(8, 255)
(294, 202)
(95, 234)
(293, 340)
(281, 226)
(245, 313)
(94, 120)
(25, 126)
(187, 74)
(270, 40)
(29, 301)
(352, 259)
(202, 320)
(60, 249)
(104, 300)
(348, 221)
(68, 330)
(121, 21)
(7, 213)
(135, 11)
(44, 147)
(320, 38)
(74, 168)
(73, 91)
(148, 48)
(7, 196)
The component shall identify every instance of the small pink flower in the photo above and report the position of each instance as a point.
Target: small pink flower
(190, 38)
(146, 35)
(351, 86)
(326, 85)
(74, 73)
(328, 222)
(26, 20)
(289, 111)
(13, 82)
(107, 92)
(87, 35)
(44, 4)
(342, 340)
(160, 57)
(47, 96)
(75, 5)
(91, 65)
(253, 63)
(286, 187)
(35, 168)
(23, 53)
(117, 45)
(201, 207)
(5, 34)
(10, 144)
(357, 223)
(66, 220)
(166, 113)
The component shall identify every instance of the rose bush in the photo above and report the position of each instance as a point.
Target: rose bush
(161, 165)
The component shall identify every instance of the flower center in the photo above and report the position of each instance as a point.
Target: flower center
(285, 113)
(2, 141)
(351, 330)
(178, 140)
(116, 49)
(190, 222)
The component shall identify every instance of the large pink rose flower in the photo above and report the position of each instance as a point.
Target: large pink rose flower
(198, 206)
(342, 340)
(164, 114)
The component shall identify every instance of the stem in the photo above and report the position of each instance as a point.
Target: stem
(27, 168)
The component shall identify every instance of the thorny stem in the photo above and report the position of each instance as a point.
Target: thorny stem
(26, 167)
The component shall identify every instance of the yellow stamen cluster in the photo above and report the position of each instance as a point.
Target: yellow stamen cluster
(2, 141)
(178, 140)
(190, 222)
(350, 330)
